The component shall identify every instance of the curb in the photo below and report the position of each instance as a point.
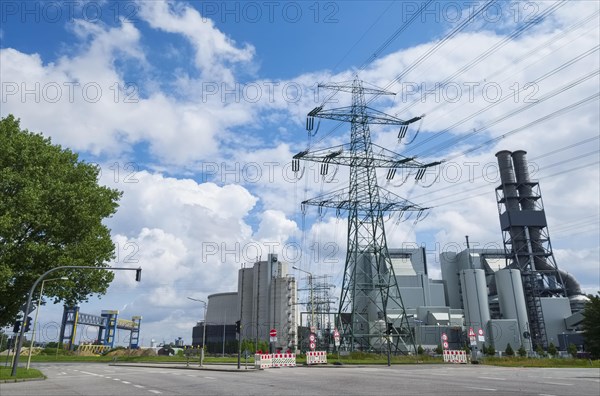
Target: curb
(8, 381)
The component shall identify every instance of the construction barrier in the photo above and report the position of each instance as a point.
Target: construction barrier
(455, 357)
(284, 360)
(97, 349)
(316, 357)
(263, 361)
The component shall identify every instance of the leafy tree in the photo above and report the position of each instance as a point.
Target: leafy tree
(420, 350)
(591, 326)
(509, 351)
(522, 352)
(490, 351)
(552, 349)
(51, 212)
(572, 349)
(439, 350)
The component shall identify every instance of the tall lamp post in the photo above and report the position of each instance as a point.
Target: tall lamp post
(203, 330)
(310, 285)
(37, 311)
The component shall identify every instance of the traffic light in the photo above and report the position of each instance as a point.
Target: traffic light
(17, 326)
(27, 324)
(238, 326)
(138, 275)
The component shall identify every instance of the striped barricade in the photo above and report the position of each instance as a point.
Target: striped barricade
(316, 357)
(263, 361)
(284, 360)
(455, 357)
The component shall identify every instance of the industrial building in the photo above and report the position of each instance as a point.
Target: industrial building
(265, 300)
(515, 295)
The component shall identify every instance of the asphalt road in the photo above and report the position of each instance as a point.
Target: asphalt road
(101, 379)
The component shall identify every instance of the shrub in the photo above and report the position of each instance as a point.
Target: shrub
(572, 349)
(552, 349)
(522, 352)
(420, 350)
(439, 350)
(540, 351)
(509, 351)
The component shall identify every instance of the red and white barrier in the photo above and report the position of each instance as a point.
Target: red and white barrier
(263, 361)
(316, 357)
(284, 360)
(455, 357)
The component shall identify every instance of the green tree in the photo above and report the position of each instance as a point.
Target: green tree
(522, 352)
(439, 350)
(509, 351)
(552, 349)
(51, 213)
(572, 349)
(591, 326)
(420, 350)
(490, 351)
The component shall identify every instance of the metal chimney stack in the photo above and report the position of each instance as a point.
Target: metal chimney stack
(526, 239)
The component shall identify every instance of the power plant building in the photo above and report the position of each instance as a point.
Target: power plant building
(265, 300)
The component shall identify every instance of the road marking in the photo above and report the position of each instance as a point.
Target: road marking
(125, 382)
(139, 386)
(475, 387)
(154, 391)
(493, 378)
(116, 379)
(191, 375)
(545, 394)
(557, 383)
(212, 378)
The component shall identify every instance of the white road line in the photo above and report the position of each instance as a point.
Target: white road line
(191, 375)
(139, 386)
(154, 391)
(125, 382)
(116, 379)
(493, 378)
(545, 394)
(475, 387)
(557, 383)
(210, 378)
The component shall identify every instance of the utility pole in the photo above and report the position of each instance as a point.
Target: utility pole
(239, 324)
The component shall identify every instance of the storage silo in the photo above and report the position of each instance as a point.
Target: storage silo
(475, 297)
(512, 301)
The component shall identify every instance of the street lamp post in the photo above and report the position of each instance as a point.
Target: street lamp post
(310, 285)
(37, 311)
(203, 330)
(138, 277)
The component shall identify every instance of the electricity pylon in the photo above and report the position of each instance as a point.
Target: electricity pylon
(371, 314)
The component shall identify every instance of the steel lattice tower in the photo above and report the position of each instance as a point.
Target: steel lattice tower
(371, 307)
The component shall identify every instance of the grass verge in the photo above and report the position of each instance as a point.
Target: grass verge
(22, 373)
(543, 362)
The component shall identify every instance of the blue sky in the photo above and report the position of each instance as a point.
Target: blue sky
(194, 110)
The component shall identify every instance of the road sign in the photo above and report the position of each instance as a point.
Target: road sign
(312, 338)
(471, 332)
(273, 339)
(444, 337)
(480, 336)
(336, 333)
(336, 341)
(312, 346)
(445, 345)
(473, 341)
(273, 333)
